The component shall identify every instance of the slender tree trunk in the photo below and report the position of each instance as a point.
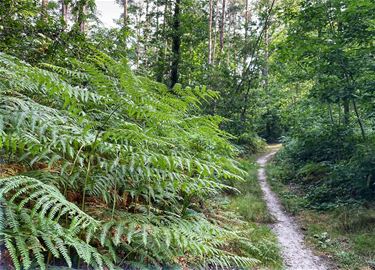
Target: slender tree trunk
(331, 114)
(266, 74)
(82, 27)
(64, 12)
(146, 32)
(157, 19)
(232, 52)
(231, 22)
(222, 25)
(246, 18)
(210, 34)
(245, 105)
(147, 12)
(359, 119)
(82, 19)
(163, 49)
(346, 116)
(176, 43)
(246, 33)
(44, 9)
(125, 13)
(266, 57)
(215, 30)
(157, 35)
(165, 21)
(138, 34)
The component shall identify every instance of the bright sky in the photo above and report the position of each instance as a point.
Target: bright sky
(107, 11)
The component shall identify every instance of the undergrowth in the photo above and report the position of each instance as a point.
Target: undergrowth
(344, 231)
(109, 170)
(252, 210)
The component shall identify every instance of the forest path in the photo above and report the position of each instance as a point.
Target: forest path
(296, 255)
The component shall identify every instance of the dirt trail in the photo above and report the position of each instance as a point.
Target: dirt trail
(296, 255)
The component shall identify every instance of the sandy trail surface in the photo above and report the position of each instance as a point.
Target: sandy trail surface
(296, 255)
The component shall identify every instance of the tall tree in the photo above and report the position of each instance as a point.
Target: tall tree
(64, 11)
(266, 47)
(216, 29)
(176, 43)
(222, 27)
(210, 32)
(82, 19)
(247, 17)
(83, 10)
(125, 4)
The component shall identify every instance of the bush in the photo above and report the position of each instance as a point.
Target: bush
(332, 166)
(250, 143)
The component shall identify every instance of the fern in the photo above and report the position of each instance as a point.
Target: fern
(28, 235)
(116, 164)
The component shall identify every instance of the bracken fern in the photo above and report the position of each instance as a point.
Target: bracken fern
(118, 167)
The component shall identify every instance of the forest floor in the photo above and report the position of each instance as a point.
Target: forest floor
(296, 254)
(344, 235)
(248, 207)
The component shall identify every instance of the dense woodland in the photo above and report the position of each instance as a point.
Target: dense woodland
(119, 145)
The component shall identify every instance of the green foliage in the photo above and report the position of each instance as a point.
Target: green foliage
(250, 143)
(327, 149)
(329, 175)
(117, 166)
(264, 246)
(342, 230)
(254, 219)
(250, 204)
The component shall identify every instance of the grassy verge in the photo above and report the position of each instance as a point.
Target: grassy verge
(345, 234)
(252, 211)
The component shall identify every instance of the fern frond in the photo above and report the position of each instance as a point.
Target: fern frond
(115, 163)
(44, 197)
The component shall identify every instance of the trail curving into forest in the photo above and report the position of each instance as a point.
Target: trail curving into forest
(296, 255)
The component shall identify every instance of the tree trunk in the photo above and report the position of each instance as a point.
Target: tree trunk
(44, 9)
(146, 33)
(210, 34)
(231, 22)
(331, 114)
(82, 19)
(44, 4)
(125, 13)
(157, 19)
(215, 31)
(246, 18)
(82, 27)
(246, 33)
(64, 12)
(138, 34)
(346, 111)
(163, 49)
(359, 119)
(176, 43)
(266, 56)
(157, 36)
(147, 12)
(222, 25)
